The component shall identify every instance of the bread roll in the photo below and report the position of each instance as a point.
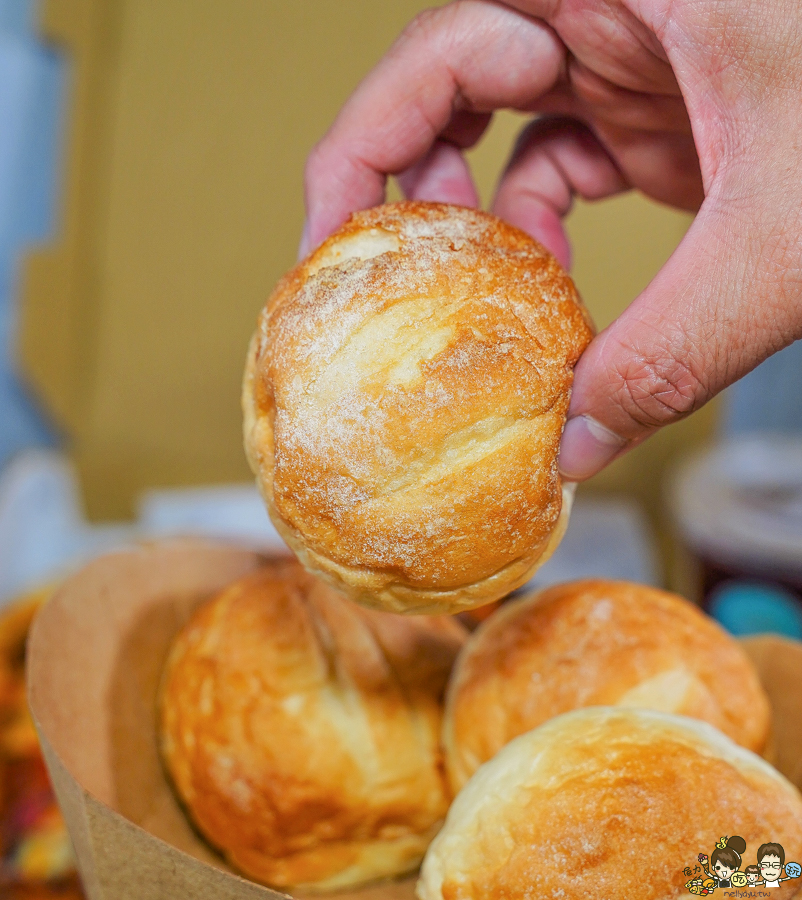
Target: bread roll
(302, 731)
(404, 398)
(606, 803)
(596, 643)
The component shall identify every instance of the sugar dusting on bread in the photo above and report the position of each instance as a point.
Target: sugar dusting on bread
(604, 803)
(597, 643)
(415, 372)
(301, 731)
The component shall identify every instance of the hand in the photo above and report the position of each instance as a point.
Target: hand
(697, 103)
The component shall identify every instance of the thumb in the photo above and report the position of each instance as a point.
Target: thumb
(729, 297)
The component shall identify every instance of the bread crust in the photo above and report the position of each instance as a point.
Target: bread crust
(404, 398)
(301, 731)
(603, 803)
(596, 643)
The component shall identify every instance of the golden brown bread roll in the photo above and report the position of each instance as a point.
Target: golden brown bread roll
(606, 803)
(302, 731)
(404, 398)
(596, 643)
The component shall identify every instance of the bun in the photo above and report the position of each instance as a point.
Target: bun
(604, 803)
(404, 398)
(596, 643)
(302, 732)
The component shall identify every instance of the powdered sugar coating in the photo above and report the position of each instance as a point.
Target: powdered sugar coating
(403, 407)
(596, 643)
(301, 731)
(605, 803)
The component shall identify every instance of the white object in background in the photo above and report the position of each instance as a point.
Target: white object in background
(43, 534)
(740, 502)
(227, 511)
(606, 538)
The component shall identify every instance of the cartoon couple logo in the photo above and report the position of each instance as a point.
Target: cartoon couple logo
(723, 866)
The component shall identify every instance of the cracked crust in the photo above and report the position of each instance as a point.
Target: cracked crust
(302, 731)
(404, 398)
(606, 802)
(596, 643)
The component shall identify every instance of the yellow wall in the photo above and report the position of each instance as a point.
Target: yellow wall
(190, 122)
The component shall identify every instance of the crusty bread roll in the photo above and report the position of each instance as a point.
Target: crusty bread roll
(404, 398)
(596, 643)
(606, 803)
(302, 731)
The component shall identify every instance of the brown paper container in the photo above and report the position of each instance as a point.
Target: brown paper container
(95, 656)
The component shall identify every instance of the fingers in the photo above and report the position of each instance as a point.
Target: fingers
(441, 175)
(729, 297)
(554, 159)
(642, 111)
(664, 166)
(451, 67)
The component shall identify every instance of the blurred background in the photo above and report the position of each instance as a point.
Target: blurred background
(151, 161)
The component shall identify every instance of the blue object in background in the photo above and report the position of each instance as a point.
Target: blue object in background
(768, 399)
(32, 89)
(756, 607)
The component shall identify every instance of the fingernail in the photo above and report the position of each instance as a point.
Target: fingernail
(586, 448)
(303, 247)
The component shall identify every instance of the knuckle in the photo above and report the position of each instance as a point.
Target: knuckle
(422, 25)
(657, 390)
(440, 26)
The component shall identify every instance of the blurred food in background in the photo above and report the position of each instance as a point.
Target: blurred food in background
(37, 859)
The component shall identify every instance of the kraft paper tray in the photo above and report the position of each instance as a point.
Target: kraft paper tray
(94, 660)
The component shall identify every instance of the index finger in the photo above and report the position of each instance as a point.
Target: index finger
(470, 56)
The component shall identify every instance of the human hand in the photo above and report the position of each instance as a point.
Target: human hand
(697, 103)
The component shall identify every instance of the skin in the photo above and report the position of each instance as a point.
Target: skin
(696, 103)
(770, 867)
(722, 872)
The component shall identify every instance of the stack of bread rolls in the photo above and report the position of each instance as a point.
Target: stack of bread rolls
(598, 735)
(586, 727)
(404, 397)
